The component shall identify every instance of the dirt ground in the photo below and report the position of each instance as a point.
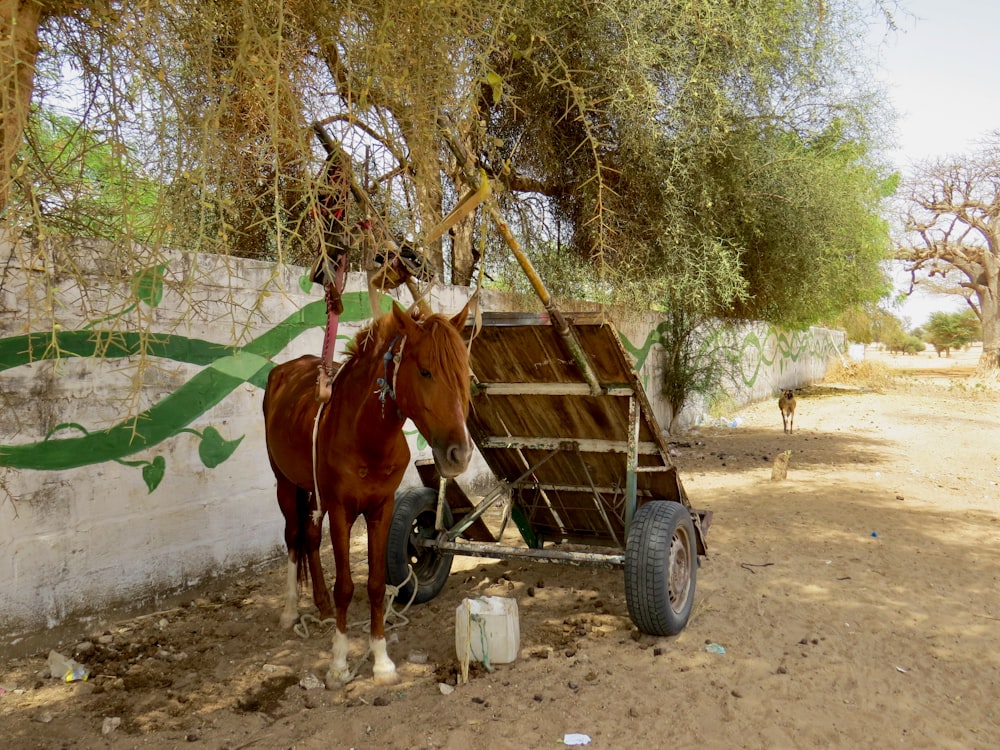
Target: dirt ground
(856, 603)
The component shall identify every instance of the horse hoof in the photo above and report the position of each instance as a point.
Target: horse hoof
(386, 676)
(337, 678)
(287, 620)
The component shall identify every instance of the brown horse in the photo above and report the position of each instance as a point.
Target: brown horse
(401, 367)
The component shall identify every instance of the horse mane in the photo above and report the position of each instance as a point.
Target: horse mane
(374, 337)
(445, 350)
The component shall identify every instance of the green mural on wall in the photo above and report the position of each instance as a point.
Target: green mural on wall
(70, 445)
(776, 346)
(226, 368)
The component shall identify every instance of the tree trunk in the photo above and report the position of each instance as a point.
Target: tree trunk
(19, 21)
(989, 305)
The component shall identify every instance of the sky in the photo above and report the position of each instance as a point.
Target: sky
(941, 74)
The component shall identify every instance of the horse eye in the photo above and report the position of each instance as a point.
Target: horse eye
(425, 373)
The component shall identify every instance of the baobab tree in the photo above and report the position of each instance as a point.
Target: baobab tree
(952, 223)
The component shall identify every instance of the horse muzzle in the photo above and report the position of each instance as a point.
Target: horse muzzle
(452, 459)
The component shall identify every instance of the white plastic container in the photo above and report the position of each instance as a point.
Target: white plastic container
(487, 629)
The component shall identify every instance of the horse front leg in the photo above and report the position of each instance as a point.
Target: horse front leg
(343, 592)
(378, 530)
(314, 539)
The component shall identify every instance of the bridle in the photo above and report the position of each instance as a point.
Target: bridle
(385, 390)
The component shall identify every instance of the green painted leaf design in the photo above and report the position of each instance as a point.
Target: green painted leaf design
(153, 473)
(147, 285)
(214, 449)
(306, 283)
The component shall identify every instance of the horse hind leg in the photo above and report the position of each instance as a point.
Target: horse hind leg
(303, 534)
(290, 612)
(287, 502)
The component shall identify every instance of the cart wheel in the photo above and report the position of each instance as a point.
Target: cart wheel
(413, 516)
(661, 561)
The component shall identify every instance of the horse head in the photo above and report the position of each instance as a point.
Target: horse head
(432, 385)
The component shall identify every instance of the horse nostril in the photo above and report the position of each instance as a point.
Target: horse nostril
(458, 454)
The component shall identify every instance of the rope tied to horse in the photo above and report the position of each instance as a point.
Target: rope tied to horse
(301, 628)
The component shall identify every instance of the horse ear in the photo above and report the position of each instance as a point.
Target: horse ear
(403, 319)
(458, 321)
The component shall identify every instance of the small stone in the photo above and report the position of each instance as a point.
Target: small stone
(191, 737)
(633, 714)
(311, 682)
(445, 688)
(570, 653)
(658, 651)
(531, 590)
(42, 718)
(572, 685)
(84, 648)
(478, 700)
(538, 698)
(782, 669)
(110, 724)
(736, 693)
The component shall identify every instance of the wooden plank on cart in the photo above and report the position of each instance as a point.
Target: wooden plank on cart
(533, 412)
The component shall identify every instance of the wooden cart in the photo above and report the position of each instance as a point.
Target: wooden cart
(561, 418)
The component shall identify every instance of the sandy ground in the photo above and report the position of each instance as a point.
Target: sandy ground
(856, 602)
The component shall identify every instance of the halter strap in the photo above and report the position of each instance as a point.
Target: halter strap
(385, 388)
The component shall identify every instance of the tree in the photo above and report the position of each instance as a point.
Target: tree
(715, 145)
(952, 221)
(947, 331)
(708, 143)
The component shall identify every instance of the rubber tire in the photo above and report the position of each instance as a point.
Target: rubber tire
(414, 514)
(661, 564)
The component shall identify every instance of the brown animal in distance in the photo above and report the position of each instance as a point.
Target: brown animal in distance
(787, 406)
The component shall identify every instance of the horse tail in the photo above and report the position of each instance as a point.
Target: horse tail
(303, 518)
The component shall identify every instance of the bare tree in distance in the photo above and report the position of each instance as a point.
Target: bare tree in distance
(952, 224)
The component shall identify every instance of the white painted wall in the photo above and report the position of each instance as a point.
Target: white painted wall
(76, 540)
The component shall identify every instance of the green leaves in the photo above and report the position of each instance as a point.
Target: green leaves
(954, 330)
(495, 83)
